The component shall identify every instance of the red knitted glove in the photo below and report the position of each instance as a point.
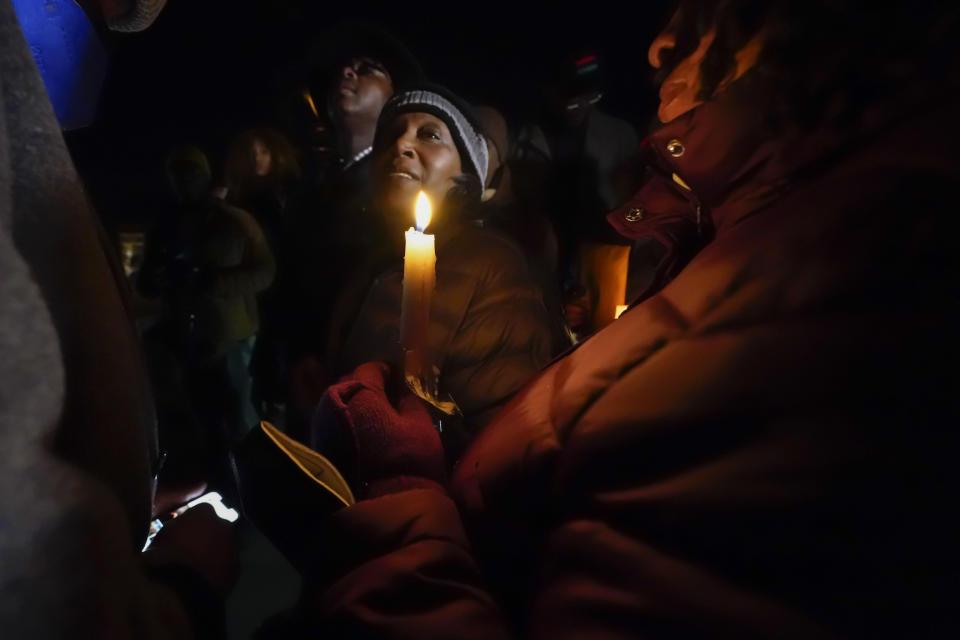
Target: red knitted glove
(379, 447)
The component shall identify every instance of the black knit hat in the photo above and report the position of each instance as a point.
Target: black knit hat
(353, 39)
(456, 114)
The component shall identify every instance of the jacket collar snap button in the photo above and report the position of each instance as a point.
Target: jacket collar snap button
(675, 148)
(634, 215)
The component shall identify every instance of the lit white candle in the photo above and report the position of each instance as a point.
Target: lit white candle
(419, 278)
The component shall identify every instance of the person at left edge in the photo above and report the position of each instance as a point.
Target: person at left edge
(79, 455)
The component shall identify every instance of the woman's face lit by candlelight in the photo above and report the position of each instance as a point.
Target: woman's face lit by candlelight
(415, 153)
(680, 91)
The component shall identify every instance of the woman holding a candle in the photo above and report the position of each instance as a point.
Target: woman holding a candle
(475, 315)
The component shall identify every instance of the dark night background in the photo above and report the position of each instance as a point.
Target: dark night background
(209, 68)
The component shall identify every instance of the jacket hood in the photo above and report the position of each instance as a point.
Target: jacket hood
(717, 164)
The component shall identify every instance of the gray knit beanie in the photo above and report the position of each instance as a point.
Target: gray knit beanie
(455, 113)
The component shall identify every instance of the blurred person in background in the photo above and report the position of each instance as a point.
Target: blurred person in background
(574, 164)
(208, 260)
(263, 178)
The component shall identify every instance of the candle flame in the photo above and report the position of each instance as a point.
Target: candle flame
(310, 103)
(422, 210)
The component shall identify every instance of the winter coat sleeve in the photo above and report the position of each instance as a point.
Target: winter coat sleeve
(402, 568)
(504, 338)
(258, 268)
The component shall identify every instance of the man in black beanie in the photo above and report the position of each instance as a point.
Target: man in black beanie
(351, 74)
